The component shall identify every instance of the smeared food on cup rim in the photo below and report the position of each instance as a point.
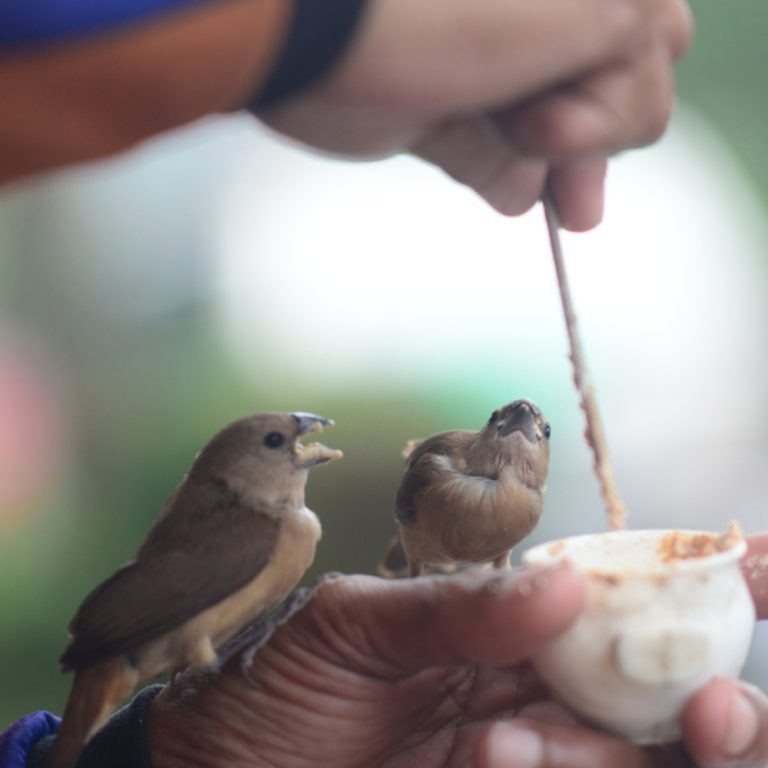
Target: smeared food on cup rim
(682, 545)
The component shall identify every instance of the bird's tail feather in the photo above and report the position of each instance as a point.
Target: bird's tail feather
(96, 691)
(395, 562)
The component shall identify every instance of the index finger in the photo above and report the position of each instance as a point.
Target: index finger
(755, 569)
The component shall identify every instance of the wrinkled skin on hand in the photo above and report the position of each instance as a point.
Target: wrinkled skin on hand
(429, 672)
(373, 672)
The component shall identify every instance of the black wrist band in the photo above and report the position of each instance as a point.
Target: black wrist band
(318, 35)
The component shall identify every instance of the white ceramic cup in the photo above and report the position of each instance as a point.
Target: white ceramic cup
(651, 632)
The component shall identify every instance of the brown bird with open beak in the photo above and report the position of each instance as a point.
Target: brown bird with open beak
(470, 497)
(233, 540)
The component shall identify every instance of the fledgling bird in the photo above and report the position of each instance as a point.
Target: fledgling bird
(232, 541)
(470, 497)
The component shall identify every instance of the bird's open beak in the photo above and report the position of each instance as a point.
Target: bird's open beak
(519, 419)
(305, 456)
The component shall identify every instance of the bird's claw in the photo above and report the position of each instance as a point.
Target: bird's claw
(256, 636)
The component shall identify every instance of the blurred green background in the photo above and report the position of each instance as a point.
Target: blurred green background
(147, 301)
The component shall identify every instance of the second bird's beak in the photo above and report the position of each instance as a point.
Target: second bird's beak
(519, 419)
(305, 456)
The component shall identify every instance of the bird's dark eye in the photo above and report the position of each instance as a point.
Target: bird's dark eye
(274, 440)
(494, 417)
(547, 431)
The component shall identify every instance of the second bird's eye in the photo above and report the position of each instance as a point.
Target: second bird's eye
(274, 440)
(547, 431)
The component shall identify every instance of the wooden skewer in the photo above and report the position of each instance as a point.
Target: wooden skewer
(617, 510)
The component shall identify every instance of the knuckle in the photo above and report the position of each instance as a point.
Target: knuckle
(657, 122)
(639, 24)
(654, 112)
(674, 25)
(682, 29)
(630, 21)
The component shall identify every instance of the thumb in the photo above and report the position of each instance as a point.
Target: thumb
(726, 723)
(396, 627)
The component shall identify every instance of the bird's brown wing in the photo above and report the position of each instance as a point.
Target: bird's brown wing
(424, 464)
(203, 549)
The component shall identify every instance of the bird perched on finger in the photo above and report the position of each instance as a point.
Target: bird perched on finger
(470, 497)
(233, 540)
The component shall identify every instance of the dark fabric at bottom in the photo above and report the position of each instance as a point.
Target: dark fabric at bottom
(121, 743)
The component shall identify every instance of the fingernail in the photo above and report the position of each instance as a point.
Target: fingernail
(530, 580)
(512, 746)
(741, 725)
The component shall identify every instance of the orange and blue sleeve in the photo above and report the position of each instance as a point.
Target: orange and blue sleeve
(318, 32)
